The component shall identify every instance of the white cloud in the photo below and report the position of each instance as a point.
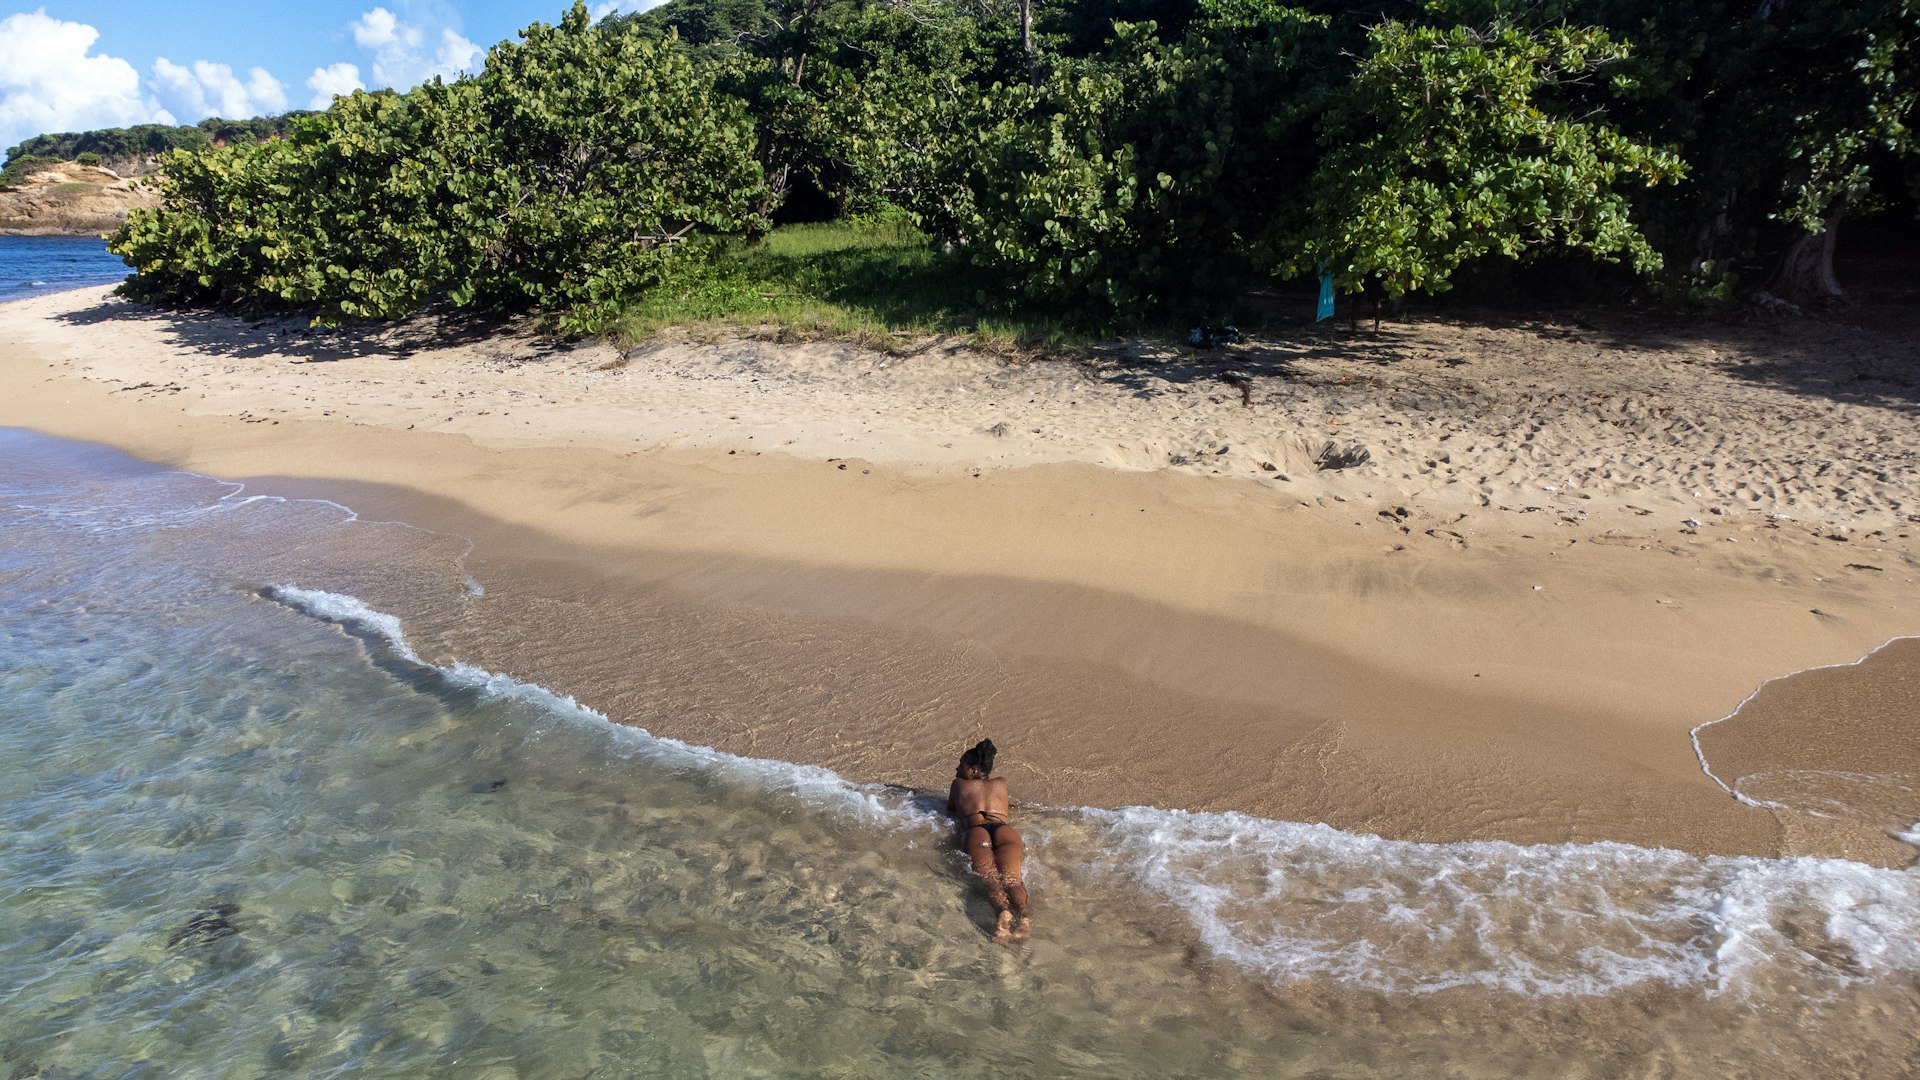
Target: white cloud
(405, 54)
(379, 28)
(331, 81)
(205, 89)
(51, 81)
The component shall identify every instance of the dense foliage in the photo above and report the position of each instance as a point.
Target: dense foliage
(1444, 150)
(1792, 116)
(1118, 183)
(1128, 160)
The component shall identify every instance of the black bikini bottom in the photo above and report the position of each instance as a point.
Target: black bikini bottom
(993, 828)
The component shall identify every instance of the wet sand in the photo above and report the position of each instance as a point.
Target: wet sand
(1829, 750)
(849, 569)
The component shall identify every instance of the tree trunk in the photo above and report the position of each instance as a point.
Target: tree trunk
(776, 190)
(1806, 274)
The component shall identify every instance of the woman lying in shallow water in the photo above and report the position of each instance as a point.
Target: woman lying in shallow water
(978, 803)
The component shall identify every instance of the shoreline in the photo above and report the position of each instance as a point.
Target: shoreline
(58, 232)
(1445, 696)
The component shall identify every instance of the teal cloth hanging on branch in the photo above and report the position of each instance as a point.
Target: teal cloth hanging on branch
(1326, 298)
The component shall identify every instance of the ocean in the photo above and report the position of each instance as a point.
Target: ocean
(32, 265)
(246, 829)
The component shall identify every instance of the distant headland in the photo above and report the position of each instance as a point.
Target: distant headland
(71, 199)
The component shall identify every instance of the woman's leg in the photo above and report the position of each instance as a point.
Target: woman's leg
(979, 847)
(1009, 850)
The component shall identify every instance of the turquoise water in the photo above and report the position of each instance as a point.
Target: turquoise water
(31, 265)
(245, 830)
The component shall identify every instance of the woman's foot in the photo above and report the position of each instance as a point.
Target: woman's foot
(1022, 929)
(1004, 930)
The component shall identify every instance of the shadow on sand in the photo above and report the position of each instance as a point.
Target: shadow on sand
(293, 338)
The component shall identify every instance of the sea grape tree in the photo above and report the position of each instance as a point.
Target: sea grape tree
(1453, 143)
(1791, 116)
(215, 239)
(601, 151)
(1849, 116)
(1124, 180)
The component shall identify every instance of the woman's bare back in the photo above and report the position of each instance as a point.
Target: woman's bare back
(974, 802)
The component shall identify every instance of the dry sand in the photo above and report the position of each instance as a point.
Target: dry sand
(1543, 555)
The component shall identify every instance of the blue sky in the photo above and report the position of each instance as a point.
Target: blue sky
(69, 65)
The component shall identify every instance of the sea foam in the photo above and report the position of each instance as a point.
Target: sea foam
(1295, 901)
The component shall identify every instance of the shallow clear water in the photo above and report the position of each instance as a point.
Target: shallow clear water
(244, 829)
(31, 265)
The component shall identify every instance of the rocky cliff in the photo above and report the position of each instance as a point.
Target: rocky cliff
(71, 200)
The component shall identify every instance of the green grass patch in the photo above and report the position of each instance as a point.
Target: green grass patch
(883, 284)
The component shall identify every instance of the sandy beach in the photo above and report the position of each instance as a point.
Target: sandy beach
(1453, 581)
